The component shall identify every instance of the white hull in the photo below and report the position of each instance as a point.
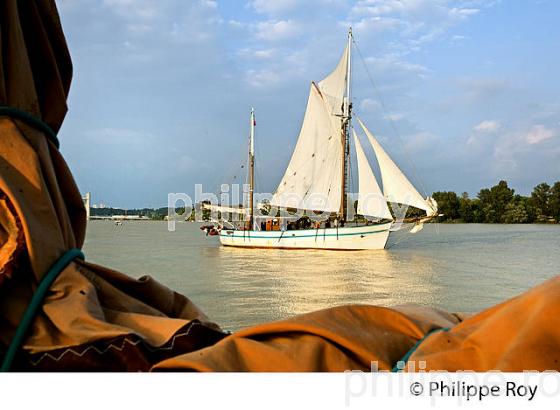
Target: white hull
(348, 238)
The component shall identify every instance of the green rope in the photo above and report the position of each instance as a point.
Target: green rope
(35, 304)
(31, 120)
(413, 349)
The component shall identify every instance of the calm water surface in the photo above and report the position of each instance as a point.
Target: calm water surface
(455, 267)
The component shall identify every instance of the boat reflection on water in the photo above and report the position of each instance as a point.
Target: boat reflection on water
(267, 284)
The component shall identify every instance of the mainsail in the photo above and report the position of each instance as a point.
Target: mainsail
(371, 201)
(313, 179)
(396, 186)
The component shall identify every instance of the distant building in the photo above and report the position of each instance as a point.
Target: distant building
(87, 201)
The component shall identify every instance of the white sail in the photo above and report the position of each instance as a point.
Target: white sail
(226, 209)
(371, 201)
(313, 179)
(396, 186)
(333, 86)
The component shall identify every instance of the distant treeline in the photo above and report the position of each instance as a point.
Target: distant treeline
(500, 204)
(152, 213)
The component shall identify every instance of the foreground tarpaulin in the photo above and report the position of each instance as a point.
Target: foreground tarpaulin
(520, 334)
(109, 320)
(94, 318)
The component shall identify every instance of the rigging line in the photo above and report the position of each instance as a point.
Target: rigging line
(236, 170)
(247, 176)
(229, 182)
(258, 166)
(233, 172)
(389, 117)
(351, 174)
(257, 182)
(230, 175)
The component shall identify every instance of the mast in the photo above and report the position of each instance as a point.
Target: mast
(251, 169)
(346, 131)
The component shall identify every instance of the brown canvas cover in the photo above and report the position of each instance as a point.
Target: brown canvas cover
(94, 318)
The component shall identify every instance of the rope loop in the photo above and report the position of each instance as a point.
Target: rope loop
(30, 120)
(35, 304)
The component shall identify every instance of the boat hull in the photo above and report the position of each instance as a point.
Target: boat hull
(348, 238)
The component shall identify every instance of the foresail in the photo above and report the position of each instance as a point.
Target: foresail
(371, 201)
(396, 186)
(313, 179)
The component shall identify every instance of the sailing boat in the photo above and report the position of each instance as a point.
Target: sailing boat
(316, 180)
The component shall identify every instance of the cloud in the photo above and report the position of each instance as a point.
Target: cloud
(392, 62)
(277, 30)
(261, 78)
(480, 90)
(237, 24)
(273, 6)
(133, 9)
(369, 105)
(414, 22)
(293, 7)
(458, 37)
(397, 116)
(522, 152)
(259, 54)
(463, 12)
(421, 142)
(380, 7)
(488, 126)
(538, 134)
(408, 8)
(171, 20)
(119, 136)
(516, 147)
(268, 53)
(211, 4)
(377, 24)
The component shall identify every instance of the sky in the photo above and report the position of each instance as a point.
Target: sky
(464, 92)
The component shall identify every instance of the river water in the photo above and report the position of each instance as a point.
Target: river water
(460, 268)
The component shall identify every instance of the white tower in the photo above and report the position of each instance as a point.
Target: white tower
(87, 201)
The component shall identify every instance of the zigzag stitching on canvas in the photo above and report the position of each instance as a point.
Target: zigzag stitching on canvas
(113, 346)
